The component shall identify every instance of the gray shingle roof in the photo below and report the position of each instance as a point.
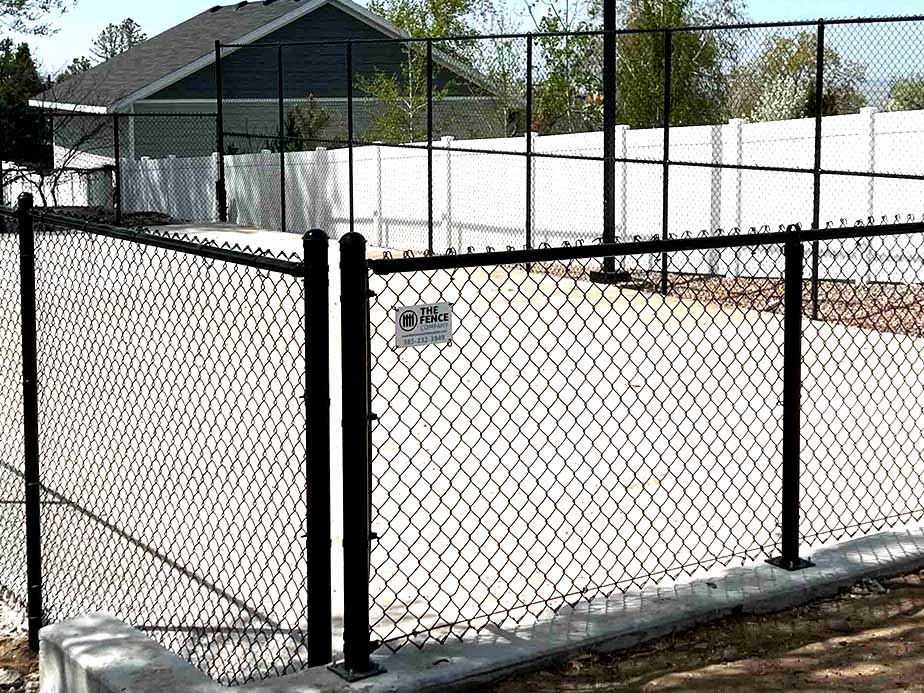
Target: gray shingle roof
(161, 55)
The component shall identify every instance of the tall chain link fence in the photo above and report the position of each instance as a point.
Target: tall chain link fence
(506, 140)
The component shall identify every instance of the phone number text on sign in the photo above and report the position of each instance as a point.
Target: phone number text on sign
(418, 326)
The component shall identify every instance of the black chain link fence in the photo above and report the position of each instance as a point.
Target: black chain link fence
(505, 140)
(174, 467)
(575, 439)
(571, 440)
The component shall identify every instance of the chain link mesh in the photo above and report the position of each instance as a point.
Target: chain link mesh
(12, 482)
(172, 423)
(863, 381)
(572, 440)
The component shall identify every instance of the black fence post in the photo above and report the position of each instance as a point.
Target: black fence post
(816, 197)
(30, 420)
(430, 146)
(282, 139)
(349, 77)
(529, 141)
(317, 445)
(221, 191)
(117, 155)
(792, 402)
(357, 458)
(608, 273)
(665, 178)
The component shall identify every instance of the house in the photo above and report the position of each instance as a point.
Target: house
(174, 73)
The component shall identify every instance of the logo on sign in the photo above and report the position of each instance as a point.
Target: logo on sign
(418, 326)
(409, 320)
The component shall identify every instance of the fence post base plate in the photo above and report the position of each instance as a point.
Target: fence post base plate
(351, 675)
(610, 277)
(790, 565)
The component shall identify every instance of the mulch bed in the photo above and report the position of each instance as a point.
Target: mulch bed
(101, 215)
(895, 308)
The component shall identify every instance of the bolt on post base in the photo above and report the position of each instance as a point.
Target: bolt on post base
(351, 675)
(790, 564)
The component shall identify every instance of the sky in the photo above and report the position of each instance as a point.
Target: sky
(83, 22)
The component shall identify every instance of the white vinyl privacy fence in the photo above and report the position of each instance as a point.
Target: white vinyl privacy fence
(479, 198)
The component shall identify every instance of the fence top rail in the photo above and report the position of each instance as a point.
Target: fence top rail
(203, 248)
(793, 234)
(50, 110)
(595, 32)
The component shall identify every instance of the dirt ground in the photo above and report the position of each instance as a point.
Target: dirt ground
(18, 665)
(869, 639)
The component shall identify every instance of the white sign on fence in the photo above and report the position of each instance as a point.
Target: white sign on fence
(418, 326)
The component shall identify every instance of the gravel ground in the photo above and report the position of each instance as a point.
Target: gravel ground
(868, 639)
(18, 665)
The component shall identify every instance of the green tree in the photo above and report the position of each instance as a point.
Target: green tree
(779, 83)
(698, 60)
(304, 125)
(116, 39)
(400, 98)
(77, 66)
(421, 18)
(567, 94)
(400, 109)
(906, 94)
(24, 135)
(503, 63)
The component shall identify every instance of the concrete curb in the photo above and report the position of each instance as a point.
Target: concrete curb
(97, 653)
